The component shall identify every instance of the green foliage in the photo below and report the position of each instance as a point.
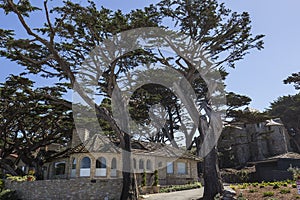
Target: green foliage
(31, 118)
(253, 190)
(295, 171)
(8, 195)
(155, 183)
(58, 48)
(144, 179)
(2, 184)
(294, 79)
(268, 194)
(174, 188)
(21, 178)
(287, 108)
(276, 186)
(285, 191)
(241, 197)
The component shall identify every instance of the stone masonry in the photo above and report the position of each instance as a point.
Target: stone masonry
(74, 189)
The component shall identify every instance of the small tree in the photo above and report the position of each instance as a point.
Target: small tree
(155, 183)
(144, 179)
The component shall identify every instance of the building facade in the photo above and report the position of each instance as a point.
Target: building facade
(97, 158)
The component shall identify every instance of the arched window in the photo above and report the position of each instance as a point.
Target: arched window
(160, 164)
(85, 166)
(73, 168)
(113, 170)
(141, 164)
(134, 163)
(100, 167)
(148, 165)
(59, 168)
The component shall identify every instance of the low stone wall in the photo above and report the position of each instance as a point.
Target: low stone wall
(74, 189)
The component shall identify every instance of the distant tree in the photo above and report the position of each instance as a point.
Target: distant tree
(287, 108)
(293, 79)
(31, 118)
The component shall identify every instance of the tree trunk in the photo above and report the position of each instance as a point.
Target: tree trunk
(126, 186)
(126, 159)
(8, 168)
(212, 178)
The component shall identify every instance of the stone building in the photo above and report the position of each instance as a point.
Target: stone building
(95, 157)
(247, 142)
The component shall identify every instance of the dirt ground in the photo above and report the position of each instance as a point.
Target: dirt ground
(267, 192)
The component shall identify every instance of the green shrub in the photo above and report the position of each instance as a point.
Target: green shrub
(174, 188)
(268, 194)
(254, 184)
(253, 190)
(276, 186)
(8, 195)
(240, 197)
(1, 185)
(233, 187)
(21, 178)
(144, 179)
(285, 191)
(294, 186)
(155, 183)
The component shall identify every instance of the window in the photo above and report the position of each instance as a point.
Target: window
(73, 169)
(169, 167)
(100, 167)
(148, 165)
(113, 171)
(160, 164)
(85, 166)
(181, 168)
(59, 168)
(141, 164)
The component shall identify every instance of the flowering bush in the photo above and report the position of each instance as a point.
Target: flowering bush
(21, 178)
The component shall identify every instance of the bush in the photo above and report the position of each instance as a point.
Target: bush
(144, 179)
(253, 190)
(285, 191)
(294, 186)
(8, 194)
(276, 186)
(268, 194)
(21, 178)
(155, 183)
(1, 185)
(174, 188)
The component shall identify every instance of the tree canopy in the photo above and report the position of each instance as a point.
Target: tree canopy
(59, 48)
(31, 118)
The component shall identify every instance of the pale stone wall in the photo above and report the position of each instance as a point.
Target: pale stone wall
(74, 189)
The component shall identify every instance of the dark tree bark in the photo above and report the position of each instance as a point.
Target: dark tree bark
(212, 179)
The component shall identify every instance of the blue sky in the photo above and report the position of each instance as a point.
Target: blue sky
(261, 73)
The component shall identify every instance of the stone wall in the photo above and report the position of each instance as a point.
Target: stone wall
(241, 143)
(74, 189)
